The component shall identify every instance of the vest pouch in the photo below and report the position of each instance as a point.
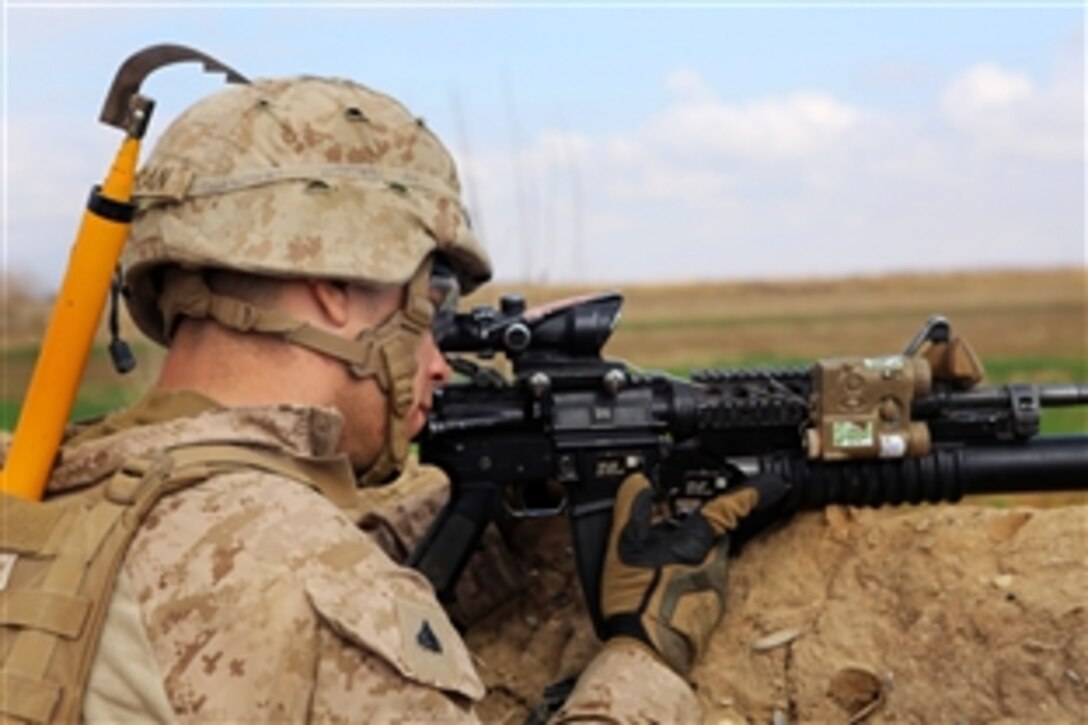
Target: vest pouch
(58, 560)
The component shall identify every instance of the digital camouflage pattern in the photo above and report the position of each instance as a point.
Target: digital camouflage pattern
(250, 596)
(260, 599)
(298, 177)
(626, 683)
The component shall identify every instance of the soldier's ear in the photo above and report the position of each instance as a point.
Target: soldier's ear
(331, 299)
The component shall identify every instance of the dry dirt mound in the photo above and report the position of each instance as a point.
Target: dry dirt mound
(942, 614)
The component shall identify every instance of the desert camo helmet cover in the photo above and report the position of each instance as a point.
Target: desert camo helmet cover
(312, 178)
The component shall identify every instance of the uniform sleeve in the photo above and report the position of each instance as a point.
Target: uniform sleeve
(626, 684)
(355, 685)
(386, 645)
(262, 602)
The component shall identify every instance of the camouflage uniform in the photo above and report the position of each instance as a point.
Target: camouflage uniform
(251, 597)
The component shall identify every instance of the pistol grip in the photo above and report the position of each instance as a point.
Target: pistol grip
(445, 550)
(591, 523)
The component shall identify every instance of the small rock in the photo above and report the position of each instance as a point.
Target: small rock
(1003, 528)
(857, 691)
(531, 620)
(775, 639)
(780, 718)
(1074, 677)
(838, 520)
(1032, 645)
(1003, 581)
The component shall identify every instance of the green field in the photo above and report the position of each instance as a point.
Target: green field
(101, 390)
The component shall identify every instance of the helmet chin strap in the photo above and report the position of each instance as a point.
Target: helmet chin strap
(396, 341)
(386, 353)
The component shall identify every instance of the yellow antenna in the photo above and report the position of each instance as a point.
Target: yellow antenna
(94, 257)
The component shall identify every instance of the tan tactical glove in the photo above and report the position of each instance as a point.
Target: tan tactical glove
(664, 585)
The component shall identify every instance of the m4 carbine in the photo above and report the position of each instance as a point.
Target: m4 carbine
(564, 431)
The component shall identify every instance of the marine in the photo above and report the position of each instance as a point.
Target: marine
(295, 242)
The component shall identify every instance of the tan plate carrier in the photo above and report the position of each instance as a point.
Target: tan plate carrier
(58, 563)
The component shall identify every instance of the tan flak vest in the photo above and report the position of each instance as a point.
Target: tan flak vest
(59, 560)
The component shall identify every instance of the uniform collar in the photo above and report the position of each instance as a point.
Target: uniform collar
(169, 418)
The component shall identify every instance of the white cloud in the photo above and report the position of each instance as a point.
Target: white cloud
(625, 151)
(794, 184)
(775, 128)
(800, 184)
(1004, 112)
(985, 88)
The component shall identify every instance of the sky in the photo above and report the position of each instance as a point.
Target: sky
(621, 143)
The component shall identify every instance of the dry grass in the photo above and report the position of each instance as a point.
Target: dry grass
(1003, 314)
(22, 316)
(1017, 314)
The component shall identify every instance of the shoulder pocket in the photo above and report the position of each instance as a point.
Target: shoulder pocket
(399, 620)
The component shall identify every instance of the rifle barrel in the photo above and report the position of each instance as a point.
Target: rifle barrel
(1054, 463)
(1055, 394)
(1051, 395)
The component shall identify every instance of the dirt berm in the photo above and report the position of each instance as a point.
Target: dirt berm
(954, 614)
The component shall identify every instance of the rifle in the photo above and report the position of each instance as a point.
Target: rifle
(568, 427)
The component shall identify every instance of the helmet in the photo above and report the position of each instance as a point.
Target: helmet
(301, 177)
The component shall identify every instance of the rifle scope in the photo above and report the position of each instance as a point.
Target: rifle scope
(576, 327)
